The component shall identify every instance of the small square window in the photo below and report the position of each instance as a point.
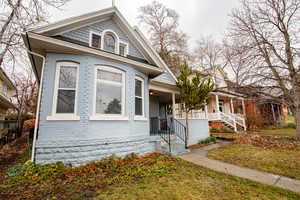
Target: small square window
(96, 41)
(123, 49)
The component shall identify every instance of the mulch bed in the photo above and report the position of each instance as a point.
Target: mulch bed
(269, 142)
(11, 151)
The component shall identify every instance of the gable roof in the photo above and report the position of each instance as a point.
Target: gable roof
(49, 33)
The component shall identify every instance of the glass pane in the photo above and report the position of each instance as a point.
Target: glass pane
(109, 43)
(138, 106)
(109, 76)
(67, 77)
(96, 41)
(65, 101)
(122, 50)
(108, 99)
(138, 88)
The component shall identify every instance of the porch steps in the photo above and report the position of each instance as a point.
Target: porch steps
(177, 147)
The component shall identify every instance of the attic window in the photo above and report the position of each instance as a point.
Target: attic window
(95, 40)
(123, 49)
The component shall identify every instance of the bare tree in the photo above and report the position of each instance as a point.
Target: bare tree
(168, 40)
(208, 54)
(270, 30)
(26, 95)
(17, 16)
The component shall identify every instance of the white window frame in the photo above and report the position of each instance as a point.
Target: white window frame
(64, 116)
(117, 40)
(125, 44)
(140, 117)
(91, 39)
(118, 117)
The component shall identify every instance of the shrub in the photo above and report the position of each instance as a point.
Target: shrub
(208, 140)
(225, 129)
(290, 125)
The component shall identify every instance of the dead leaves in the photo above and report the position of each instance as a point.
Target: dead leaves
(269, 142)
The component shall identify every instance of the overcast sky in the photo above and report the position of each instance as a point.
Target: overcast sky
(197, 17)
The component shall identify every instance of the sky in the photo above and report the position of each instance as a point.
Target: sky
(197, 17)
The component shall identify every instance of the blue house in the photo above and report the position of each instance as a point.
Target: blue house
(103, 90)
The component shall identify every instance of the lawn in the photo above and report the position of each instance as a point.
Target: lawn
(275, 160)
(153, 176)
(291, 132)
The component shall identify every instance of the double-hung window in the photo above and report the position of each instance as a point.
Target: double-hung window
(139, 98)
(65, 92)
(109, 93)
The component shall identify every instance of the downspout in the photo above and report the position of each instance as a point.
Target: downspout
(37, 115)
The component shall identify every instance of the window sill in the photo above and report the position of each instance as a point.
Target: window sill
(140, 118)
(108, 118)
(63, 118)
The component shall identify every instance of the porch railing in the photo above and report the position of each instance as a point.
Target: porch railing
(166, 128)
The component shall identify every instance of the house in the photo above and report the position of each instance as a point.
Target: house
(103, 90)
(225, 107)
(262, 109)
(7, 90)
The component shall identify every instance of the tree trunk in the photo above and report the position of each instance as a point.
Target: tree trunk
(297, 121)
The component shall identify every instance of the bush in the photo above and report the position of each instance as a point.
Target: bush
(225, 129)
(208, 140)
(290, 125)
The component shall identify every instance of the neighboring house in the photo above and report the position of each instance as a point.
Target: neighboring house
(225, 106)
(7, 90)
(262, 109)
(104, 91)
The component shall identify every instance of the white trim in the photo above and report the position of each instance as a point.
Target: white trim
(115, 35)
(142, 97)
(140, 118)
(141, 66)
(106, 118)
(64, 116)
(97, 116)
(91, 38)
(126, 52)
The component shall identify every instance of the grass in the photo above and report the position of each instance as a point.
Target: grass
(151, 177)
(275, 161)
(290, 132)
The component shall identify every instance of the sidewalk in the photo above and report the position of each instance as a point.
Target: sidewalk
(199, 157)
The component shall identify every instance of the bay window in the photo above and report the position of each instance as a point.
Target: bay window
(139, 97)
(109, 93)
(65, 92)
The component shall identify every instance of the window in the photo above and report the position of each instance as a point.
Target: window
(123, 49)
(95, 40)
(5, 89)
(221, 105)
(139, 96)
(65, 91)
(110, 91)
(109, 43)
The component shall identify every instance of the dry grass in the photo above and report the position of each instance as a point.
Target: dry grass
(152, 177)
(277, 161)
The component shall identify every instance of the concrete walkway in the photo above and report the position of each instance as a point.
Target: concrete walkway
(199, 157)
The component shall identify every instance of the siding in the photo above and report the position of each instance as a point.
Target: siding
(83, 35)
(198, 130)
(165, 78)
(54, 136)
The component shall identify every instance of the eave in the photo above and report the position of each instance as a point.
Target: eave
(38, 43)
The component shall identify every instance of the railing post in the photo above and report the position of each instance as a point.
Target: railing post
(234, 123)
(169, 141)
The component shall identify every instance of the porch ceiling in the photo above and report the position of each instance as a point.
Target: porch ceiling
(163, 97)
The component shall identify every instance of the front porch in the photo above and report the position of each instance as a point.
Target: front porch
(226, 109)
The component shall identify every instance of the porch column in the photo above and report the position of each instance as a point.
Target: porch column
(206, 112)
(217, 104)
(232, 108)
(244, 109)
(173, 105)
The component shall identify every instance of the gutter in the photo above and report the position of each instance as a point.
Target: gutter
(32, 58)
(37, 115)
